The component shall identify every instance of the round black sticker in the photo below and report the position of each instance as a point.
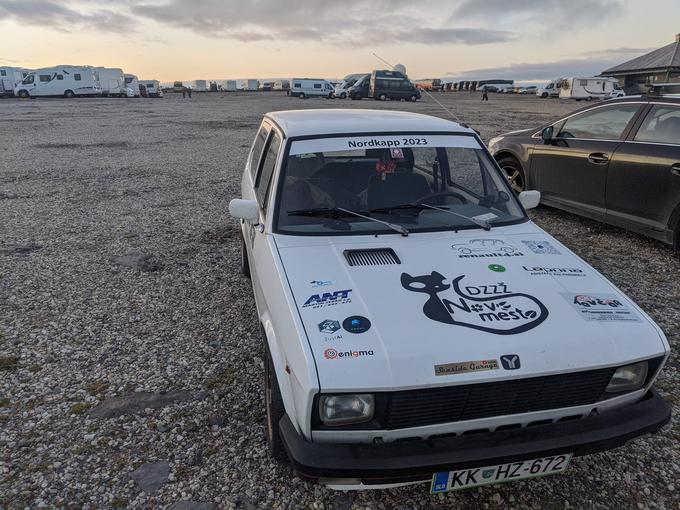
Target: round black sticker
(356, 324)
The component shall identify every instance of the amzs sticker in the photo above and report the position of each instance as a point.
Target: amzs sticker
(490, 308)
(601, 307)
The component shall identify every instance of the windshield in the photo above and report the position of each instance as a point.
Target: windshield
(420, 182)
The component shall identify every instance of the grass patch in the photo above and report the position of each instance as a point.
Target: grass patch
(97, 388)
(221, 378)
(8, 362)
(4, 402)
(80, 408)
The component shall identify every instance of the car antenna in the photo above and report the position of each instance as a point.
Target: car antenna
(453, 115)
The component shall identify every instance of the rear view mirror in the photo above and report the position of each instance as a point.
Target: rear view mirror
(247, 210)
(547, 133)
(530, 199)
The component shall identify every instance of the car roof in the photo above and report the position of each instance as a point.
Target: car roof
(668, 98)
(341, 121)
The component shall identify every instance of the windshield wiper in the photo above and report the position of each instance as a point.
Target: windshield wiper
(338, 212)
(419, 207)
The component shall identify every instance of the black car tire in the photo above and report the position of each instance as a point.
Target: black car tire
(514, 172)
(544, 95)
(343, 95)
(301, 95)
(382, 97)
(245, 265)
(23, 93)
(274, 406)
(413, 98)
(69, 94)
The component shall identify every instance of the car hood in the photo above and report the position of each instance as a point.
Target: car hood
(453, 308)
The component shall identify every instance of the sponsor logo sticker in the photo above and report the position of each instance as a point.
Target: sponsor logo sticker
(554, 271)
(510, 361)
(335, 354)
(497, 268)
(490, 308)
(315, 284)
(601, 307)
(474, 248)
(542, 247)
(356, 324)
(339, 297)
(481, 365)
(329, 326)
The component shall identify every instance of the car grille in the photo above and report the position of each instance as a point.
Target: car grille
(372, 257)
(416, 408)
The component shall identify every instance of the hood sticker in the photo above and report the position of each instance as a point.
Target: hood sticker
(554, 271)
(601, 307)
(339, 297)
(356, 324)
(474, 248)
(542, 247)
(466, 366)
(490, 308)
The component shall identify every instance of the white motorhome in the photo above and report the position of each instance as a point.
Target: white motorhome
(66, 81)
(112, 81)
(310, 87)
(342, 89)
(550, 89)
(200, 86)
(229, 85)
(590, 88)
(10, 77)
(132, 82)
(250, 85)
(153, 88)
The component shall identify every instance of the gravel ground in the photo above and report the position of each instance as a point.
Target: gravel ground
(119, 281)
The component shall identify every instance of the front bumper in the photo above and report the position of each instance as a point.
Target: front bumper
(379, 463)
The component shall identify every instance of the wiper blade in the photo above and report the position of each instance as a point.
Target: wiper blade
(338, 212)
(419, 207)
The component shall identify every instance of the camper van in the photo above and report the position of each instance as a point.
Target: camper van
(10, 77)
(111, 80)
(153, 88)
(360, 89)
(132, 82)
(342, 89)
(590, 88)
(310, 87)
(386, 84)
(550, 89)
(65, 81)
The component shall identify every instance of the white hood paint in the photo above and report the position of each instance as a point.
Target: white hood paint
(522, 311)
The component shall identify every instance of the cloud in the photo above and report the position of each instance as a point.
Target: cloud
(551, 14)
(47, 13)
(590, 65)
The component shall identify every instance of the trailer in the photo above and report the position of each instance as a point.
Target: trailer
(596, 87)
(200, 86)
(132, 82)
(65, 81)
(250, 85)
(10, 77)
(112, 81)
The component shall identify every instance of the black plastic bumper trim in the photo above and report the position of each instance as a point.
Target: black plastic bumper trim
(410, 460)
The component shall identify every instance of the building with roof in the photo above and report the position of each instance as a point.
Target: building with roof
(658, 66)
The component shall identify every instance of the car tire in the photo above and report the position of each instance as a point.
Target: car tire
(514, 172)
(23, 94)
(382, 97)
(245, 264)
(343, 95)
(275, 409)
(413, 98)
(544, 95)
(301, 95)
(69, 94)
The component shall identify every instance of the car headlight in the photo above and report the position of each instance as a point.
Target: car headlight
(346, 409)
(494, 141)
(628, 378)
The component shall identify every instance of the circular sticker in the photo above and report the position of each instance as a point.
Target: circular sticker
(497, 268)
(356, 324)
(330, 354)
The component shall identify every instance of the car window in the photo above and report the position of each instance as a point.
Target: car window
(267, 169)
(77, 77)
(256, 150)
(3, 73)
(383, 176)
(606, 123)
(662, 125)
(45, 78)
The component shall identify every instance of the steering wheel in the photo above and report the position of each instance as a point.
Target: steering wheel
(442, 194)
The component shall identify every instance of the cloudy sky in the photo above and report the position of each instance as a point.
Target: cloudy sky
(211, 39)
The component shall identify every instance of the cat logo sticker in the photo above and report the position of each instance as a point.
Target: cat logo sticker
(490, 308)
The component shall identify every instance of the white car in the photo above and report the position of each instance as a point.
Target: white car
(417, 325)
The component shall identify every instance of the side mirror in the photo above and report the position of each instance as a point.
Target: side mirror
(530, 199)
(547, 133)
(247, 210)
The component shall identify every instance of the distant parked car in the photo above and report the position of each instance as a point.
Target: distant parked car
(531, 89)
(616, 162)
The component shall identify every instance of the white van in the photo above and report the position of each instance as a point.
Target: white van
(153, 88)
(112, 81)
(66, 81)
(132, 82)
(550, 89)
(10, 77)
(342, 89)
(310, 87)
(590, 88)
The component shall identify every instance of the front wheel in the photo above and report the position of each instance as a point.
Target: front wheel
(274, 406)
(69, 94)
(382, 97)
(544, 95)
(23, 94)
(301, 95)
(413, 98)
(515, 174)
(343, 95)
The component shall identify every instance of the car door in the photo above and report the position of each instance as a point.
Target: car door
(643, 184)
(260, 241)
(570, 170)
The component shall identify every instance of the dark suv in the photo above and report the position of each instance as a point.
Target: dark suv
(617, 162)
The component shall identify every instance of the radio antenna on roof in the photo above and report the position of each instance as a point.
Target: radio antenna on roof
(453, 115)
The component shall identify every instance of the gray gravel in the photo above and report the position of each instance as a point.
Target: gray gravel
(129, 347)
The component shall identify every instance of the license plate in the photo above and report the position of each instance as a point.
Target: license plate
(445, 481)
